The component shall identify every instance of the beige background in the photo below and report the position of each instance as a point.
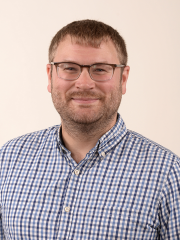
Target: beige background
(152, 33)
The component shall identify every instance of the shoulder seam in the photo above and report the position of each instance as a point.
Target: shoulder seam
(151, 142)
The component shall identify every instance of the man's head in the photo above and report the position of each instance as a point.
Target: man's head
(89, 33)
(87, 102)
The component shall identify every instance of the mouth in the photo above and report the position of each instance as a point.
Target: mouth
(85, 100)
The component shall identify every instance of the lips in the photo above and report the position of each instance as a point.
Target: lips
(85, 100)
(84, 97)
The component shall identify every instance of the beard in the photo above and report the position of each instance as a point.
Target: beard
(87, 118)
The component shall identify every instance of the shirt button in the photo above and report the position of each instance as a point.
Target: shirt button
(67, 209)
(77, 172)
(103, 154)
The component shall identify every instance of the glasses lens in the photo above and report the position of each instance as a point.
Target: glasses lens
(68, 71)
(101, 72)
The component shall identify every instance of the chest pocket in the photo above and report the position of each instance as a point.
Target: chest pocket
(115, 223)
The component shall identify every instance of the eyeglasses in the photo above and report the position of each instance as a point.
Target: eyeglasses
(98, 72)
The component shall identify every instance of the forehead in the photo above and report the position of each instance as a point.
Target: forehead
(70, 50)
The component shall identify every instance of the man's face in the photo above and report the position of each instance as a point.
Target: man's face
(85, 101)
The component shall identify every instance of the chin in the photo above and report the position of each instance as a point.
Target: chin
(85, 119)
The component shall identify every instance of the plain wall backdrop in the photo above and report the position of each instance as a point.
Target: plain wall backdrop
(151, 30)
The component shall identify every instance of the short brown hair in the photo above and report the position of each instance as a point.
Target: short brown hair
(90, 33)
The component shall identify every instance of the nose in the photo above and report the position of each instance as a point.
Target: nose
(84, 81)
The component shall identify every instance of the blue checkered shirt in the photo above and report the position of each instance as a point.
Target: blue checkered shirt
(127, 187)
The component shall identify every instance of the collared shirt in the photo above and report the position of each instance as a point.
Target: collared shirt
(127, 187)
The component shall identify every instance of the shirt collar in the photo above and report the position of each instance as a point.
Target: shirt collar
(107, 141)
(111, 138)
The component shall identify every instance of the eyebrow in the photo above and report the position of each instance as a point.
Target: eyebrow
(71, 61)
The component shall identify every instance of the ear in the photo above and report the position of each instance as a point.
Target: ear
(125, 75)
(48, 69)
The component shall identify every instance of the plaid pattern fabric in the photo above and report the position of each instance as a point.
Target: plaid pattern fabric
(127, 187)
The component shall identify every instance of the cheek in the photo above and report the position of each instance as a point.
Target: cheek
(108, 88)
(61, 86)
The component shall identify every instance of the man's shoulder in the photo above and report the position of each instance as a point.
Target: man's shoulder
(147, 145)
(28, 139)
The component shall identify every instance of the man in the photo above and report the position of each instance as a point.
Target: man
(90, 177)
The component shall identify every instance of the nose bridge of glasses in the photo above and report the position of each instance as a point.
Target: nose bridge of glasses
(87, 67)
(84, 80)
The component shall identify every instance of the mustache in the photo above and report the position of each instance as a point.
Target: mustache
(84, 94)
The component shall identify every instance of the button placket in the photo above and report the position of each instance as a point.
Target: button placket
(69, 206)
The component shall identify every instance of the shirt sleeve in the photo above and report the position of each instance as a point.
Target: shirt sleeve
(1, 227)
(169, 212)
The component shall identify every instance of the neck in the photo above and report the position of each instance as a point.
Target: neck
(79, 139)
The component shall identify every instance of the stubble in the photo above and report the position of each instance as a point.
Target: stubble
(89, 120)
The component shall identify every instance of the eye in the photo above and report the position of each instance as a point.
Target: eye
(68, 67)
(100, 69)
